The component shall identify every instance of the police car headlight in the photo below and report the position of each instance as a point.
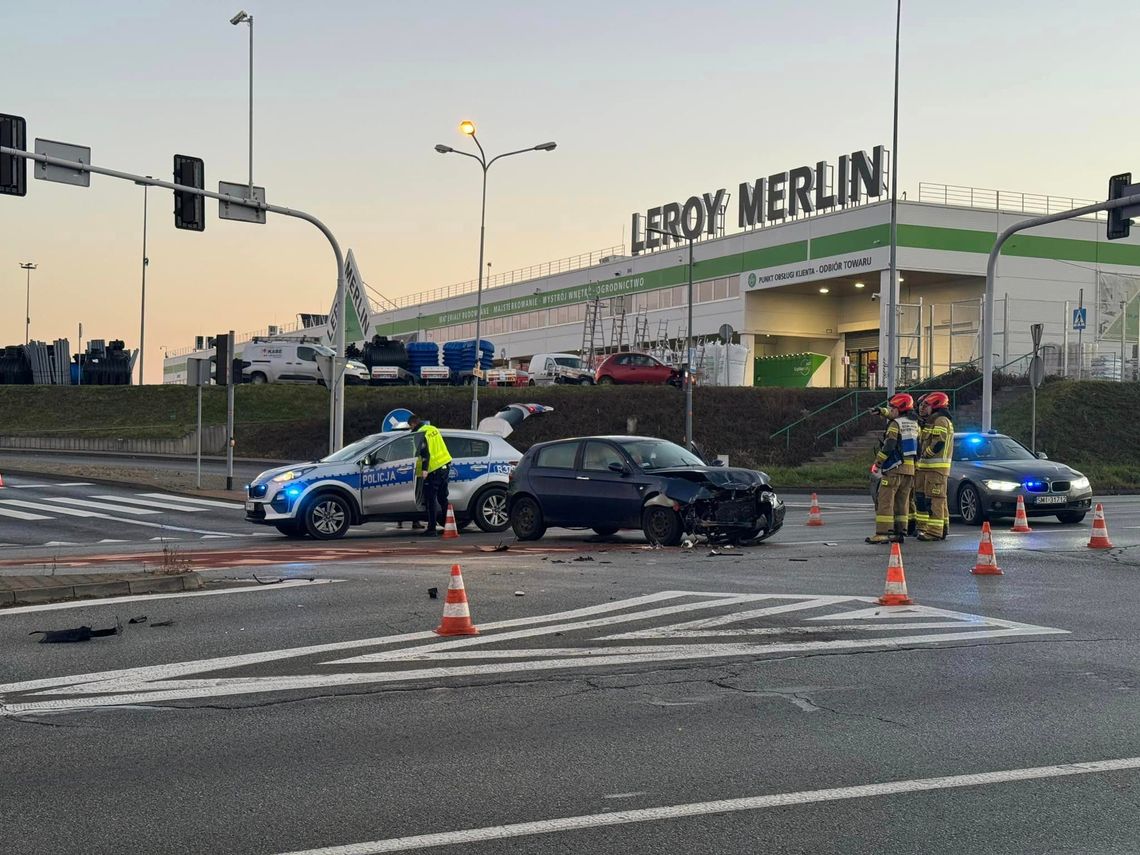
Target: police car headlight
(1081, 483)
(291, 475)
(1002, 486)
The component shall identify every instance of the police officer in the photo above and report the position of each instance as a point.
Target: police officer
(437, 469)
(934, 464)
(895, 461)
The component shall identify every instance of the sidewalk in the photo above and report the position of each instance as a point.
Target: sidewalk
(29, 590)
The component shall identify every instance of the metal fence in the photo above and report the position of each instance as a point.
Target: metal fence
(1000, 200)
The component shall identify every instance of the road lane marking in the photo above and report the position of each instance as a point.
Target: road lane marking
(102, 506)
(212, 503)
(38, 506)
(21, 515)
(48, 486)
(441, 659)
(723, 806)
(135, 598)
(75, 512)
(151, 503)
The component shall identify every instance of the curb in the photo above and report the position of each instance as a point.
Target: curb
(99, 590)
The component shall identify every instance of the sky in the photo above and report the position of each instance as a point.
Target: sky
(648, 103)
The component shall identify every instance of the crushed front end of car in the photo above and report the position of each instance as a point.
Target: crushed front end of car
(723, 504)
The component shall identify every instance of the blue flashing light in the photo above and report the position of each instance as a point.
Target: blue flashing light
(293, 492)
(975, 440)
(1029, 485)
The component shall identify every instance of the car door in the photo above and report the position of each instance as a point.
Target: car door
(390, 478)
(621, 370)
(470, 466)
(552, 477)
(606, 497)
(303, 367)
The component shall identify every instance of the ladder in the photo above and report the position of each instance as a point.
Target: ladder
(617, 325)
(641, 331)
(590, 331)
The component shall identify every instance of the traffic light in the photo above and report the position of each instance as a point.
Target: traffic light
(224, 357)
(189, 208)
(1119, 223)
(13, 170)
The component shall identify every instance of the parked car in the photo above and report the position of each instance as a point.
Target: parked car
(608, 483)
(635, 368)
(989, 471)
(546, 369)
(293, 362)
(379, 478)
(508, 377)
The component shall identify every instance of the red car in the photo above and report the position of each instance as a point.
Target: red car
(635, 368)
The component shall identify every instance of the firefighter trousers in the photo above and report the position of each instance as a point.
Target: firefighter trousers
(892, 510)
(938, 512)
(921, 499)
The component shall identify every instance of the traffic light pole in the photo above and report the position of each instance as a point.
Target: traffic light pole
(988, 303)
(336, 403)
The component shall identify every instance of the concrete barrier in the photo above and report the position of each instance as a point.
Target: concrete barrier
(213, 443)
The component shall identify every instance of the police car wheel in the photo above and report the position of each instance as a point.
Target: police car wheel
(970, 505)
(489, 510)
(327, 517)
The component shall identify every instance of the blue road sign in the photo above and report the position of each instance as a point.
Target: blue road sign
(1080, 318)
(396, 420)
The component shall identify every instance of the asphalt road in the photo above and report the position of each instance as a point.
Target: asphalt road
(629, 701)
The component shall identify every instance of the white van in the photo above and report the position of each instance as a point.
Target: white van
(293, 362)
(546, 369)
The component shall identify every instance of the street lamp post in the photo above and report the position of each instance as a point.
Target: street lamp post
(244, 17)
(687, 364)
(142, 301)
(892, 299)
(28, 266)
(468, 128)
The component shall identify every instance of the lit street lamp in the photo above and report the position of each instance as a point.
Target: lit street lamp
(244, 17)
(468, 128)
(686, 365)
(28, 266)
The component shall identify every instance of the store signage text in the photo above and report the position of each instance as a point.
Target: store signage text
(803, 190)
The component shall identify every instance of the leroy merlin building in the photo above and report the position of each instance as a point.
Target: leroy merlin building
(798, 263)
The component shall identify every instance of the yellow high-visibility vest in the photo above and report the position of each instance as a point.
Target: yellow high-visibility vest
(438, 455)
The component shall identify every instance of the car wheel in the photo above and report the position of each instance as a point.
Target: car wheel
(258, 378)
(970, 505)
(1071, 517)
(293, 529)
(585, 381)
(530, 382)
(526, 519)
(489, 510)
(605, 381)
(605, 530)
(662, 526)
(327, 517)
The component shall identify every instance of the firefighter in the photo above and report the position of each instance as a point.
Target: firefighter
(894, 462)
(919, 497)
(934, 464)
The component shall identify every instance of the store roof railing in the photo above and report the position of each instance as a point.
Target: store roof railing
(999, 200)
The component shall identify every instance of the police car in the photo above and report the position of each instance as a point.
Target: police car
(380, 478)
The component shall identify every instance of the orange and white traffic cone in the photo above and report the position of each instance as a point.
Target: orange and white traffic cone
(814, 516)
(895, 593)
(986, 564)
(1021, 521)
(456, 614)
(449, 528)
(1, 482)
(1099, 539)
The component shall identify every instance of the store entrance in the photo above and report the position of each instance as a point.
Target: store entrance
(862, 368)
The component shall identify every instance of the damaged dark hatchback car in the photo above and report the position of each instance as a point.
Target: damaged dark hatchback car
(609, 483)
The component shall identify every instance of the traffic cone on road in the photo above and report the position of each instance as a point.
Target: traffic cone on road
(986, 564)
(449, 528)
(814, 516)
(1, 482)
(456, 614)
(1099, 539)
(1021, 521)
(895, 593)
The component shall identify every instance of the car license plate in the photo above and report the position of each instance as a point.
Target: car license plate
(1052, 500)
(250, 506)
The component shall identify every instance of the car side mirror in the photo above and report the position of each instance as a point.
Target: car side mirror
(620, 468)
(1041, 455)
(716, 462)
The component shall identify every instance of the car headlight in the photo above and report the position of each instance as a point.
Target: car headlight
(291, 475)
(1002, 486)
(1081, 483)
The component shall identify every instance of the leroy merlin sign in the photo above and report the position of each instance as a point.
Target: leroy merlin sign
(802, 190)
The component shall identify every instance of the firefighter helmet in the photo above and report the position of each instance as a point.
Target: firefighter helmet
(902, 402)
(936, 400)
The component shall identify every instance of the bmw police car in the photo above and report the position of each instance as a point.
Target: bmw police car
(380, 478)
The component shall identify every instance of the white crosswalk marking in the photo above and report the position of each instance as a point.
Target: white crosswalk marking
(211, 503)
(102, 506)
(152, 503)
(21, 515)
(39, 506)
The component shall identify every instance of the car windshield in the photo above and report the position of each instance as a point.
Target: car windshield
(990, 448)
(658, 454)
(569, 361)
(351, 452)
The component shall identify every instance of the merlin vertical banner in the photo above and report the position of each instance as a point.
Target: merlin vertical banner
(358, 324)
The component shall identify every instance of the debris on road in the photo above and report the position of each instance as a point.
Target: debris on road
(139, 619)
(159, 623)
(520, 593)
(433, 593)
(502, 546)
(584, 558)
(75, 634)
(281, 579)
